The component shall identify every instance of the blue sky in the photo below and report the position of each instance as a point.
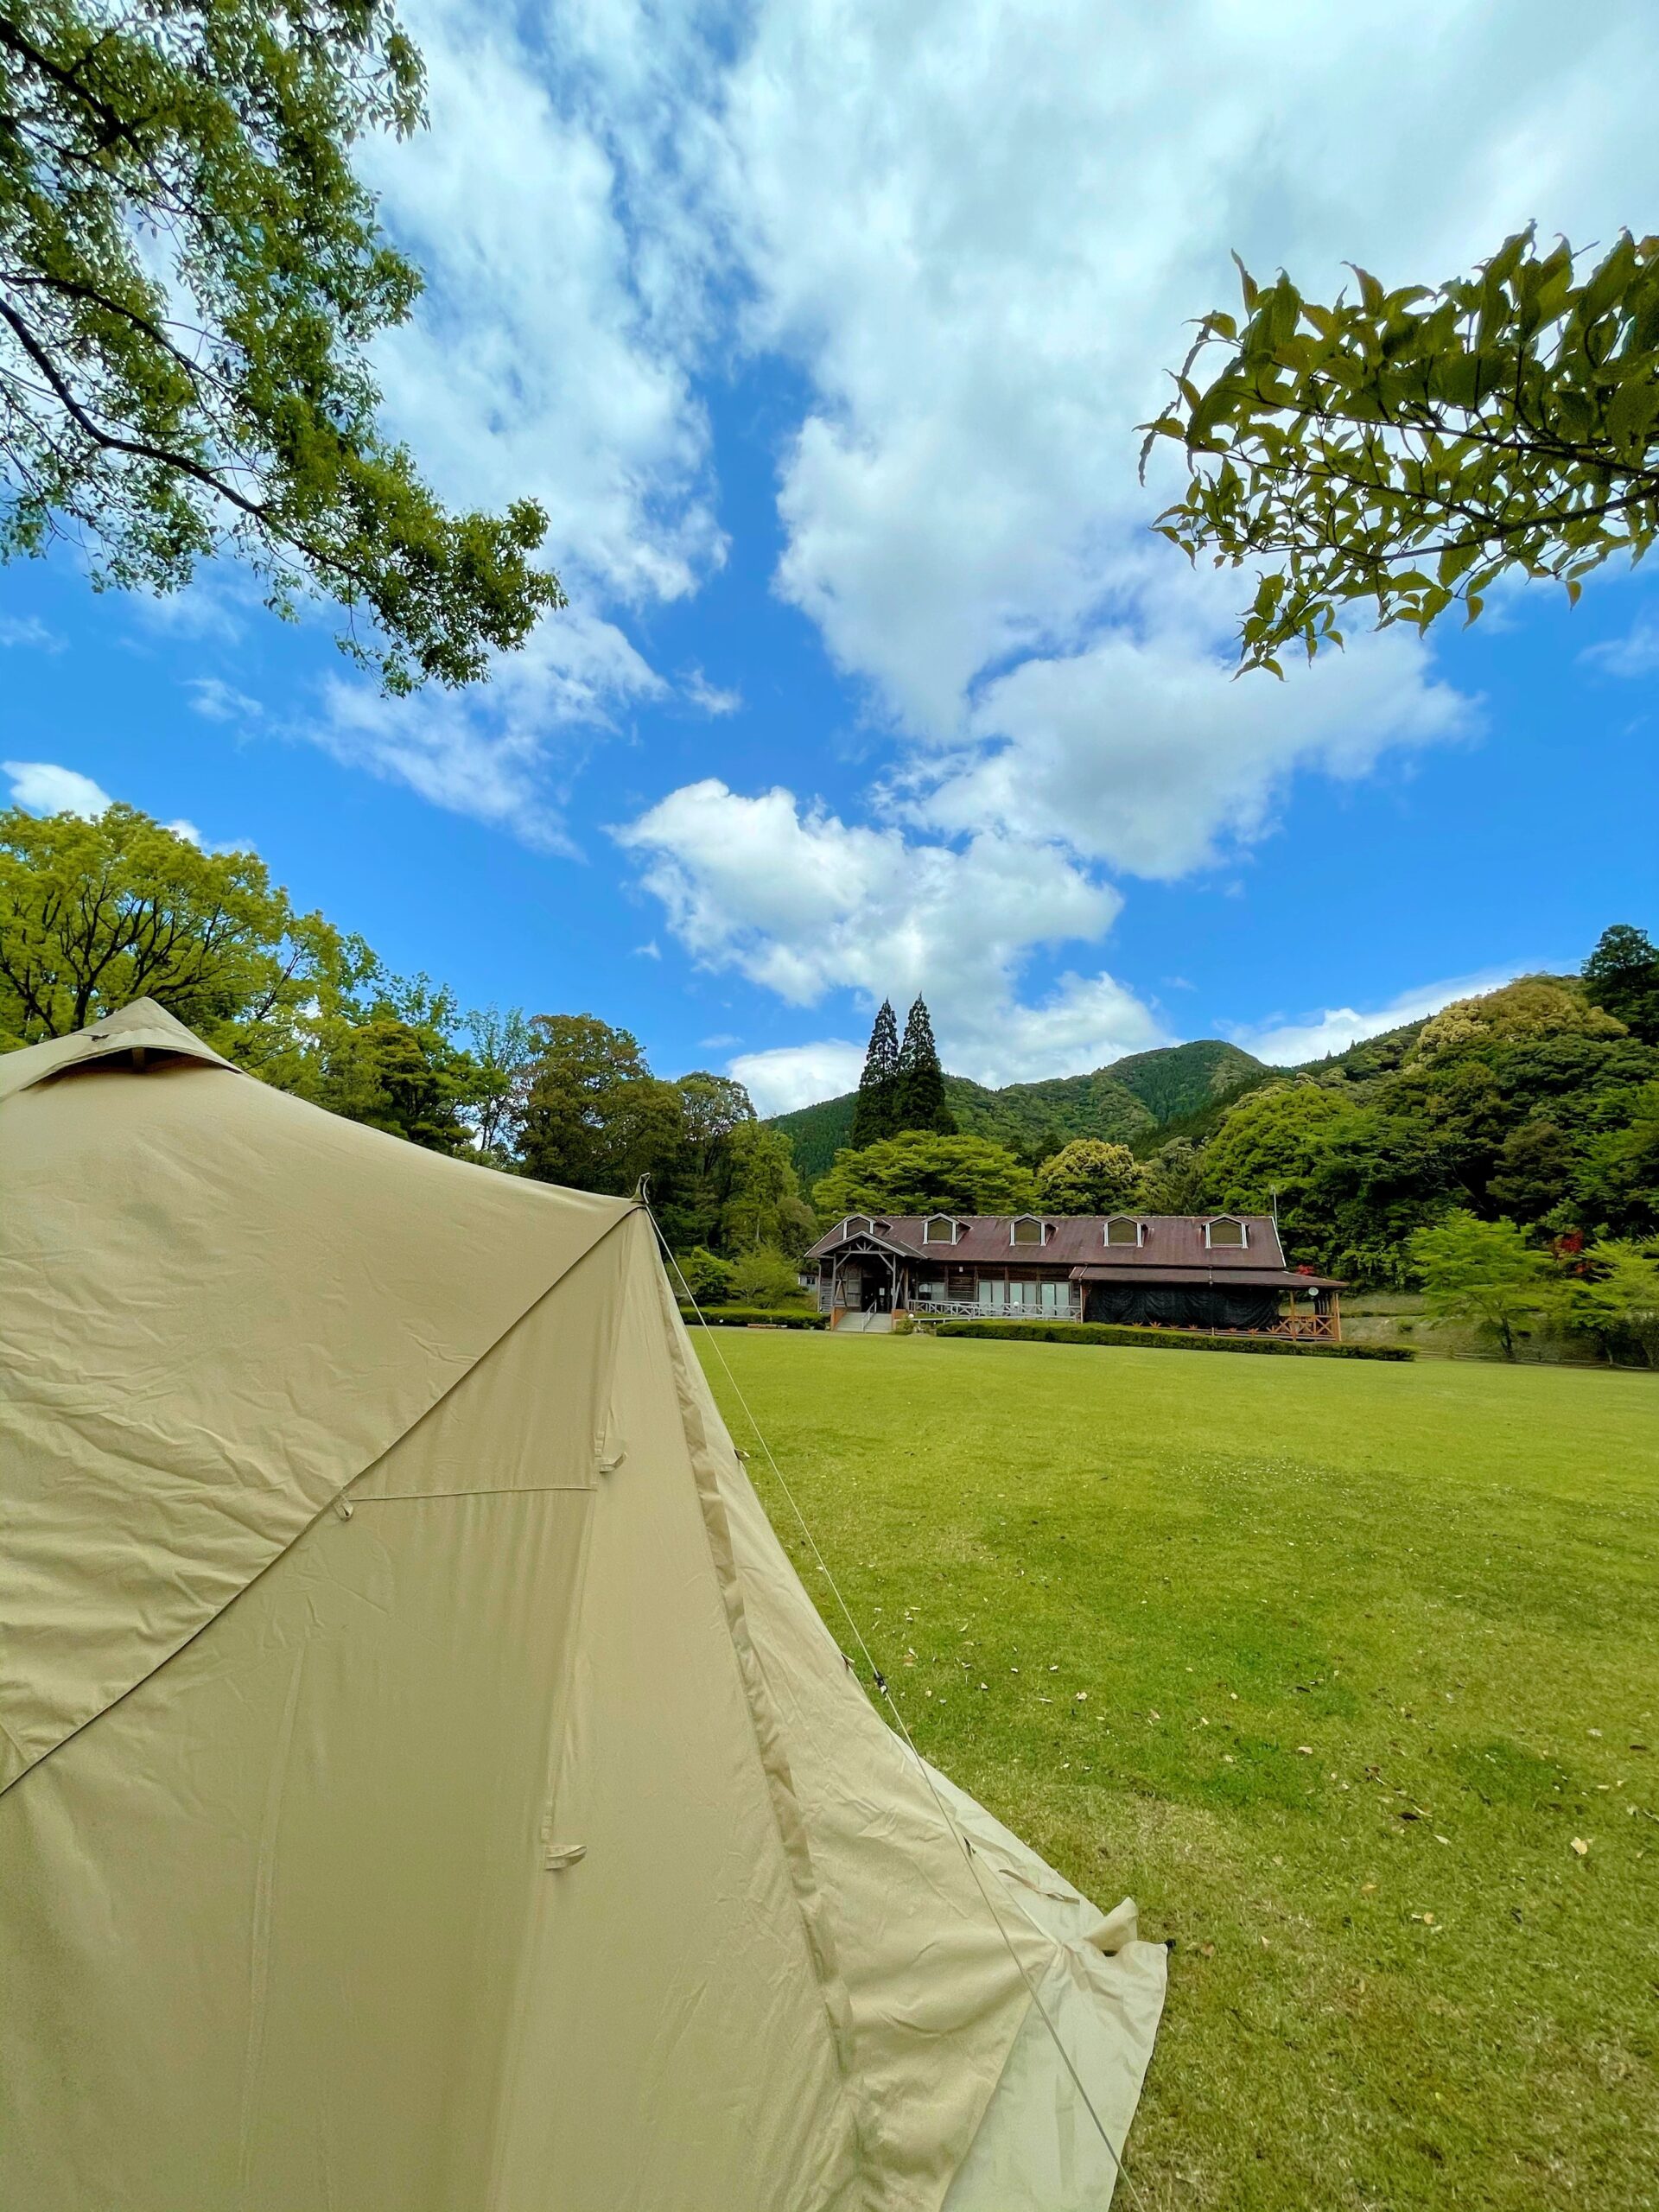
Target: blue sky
(821, 330)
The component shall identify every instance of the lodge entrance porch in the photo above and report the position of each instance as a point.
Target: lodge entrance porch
(864, 1284)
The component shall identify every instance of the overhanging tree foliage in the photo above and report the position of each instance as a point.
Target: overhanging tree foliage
(1411, 447)
(190, 278)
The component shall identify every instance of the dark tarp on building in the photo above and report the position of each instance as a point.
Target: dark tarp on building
(1181, 1306)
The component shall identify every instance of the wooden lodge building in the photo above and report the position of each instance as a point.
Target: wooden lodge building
(1210, 1272)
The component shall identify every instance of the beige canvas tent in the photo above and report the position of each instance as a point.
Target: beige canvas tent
(427, 1786)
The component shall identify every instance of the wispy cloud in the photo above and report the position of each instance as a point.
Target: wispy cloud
(1284, 1042)
(710, 698)
(30, 631)
(1636, 653)
(219, 702)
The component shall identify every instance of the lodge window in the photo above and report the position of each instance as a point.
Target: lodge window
(938, 1228)
(1121, 1229)
(1231, 1235)
(1028, 1231)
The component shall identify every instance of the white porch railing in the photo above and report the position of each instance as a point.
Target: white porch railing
(969, 1309)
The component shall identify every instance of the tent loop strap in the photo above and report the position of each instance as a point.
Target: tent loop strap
(884, 1690)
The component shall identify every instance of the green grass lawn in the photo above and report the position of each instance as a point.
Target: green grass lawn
(1328, 1664)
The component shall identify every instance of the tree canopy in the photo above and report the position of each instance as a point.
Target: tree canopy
(919, 1171)
(191, 281)
(901, 1085)
(1485, 1272)
(1622, 977)
(96, 913)
(1088, 1176)
(1411, 448)
(597, 1117)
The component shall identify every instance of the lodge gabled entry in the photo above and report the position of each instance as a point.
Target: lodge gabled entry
(1179, 1271)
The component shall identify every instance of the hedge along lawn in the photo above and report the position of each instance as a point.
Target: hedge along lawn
(1328, 1664)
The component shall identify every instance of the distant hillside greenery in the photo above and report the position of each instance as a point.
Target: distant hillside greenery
(1128, 1103)
(1536, 1105)
(1402, 1159)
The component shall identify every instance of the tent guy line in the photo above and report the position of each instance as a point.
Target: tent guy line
(883, 1687)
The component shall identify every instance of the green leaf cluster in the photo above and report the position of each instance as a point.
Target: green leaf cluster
(1411, 447)
(1088, 1177)
(191, 279)
(919, 1171)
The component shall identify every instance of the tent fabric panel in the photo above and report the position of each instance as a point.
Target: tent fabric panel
(263, 1917)
(1038, 2149)
(547, 1385)
(202, 1347)
(936, 1999)
(677, 2048)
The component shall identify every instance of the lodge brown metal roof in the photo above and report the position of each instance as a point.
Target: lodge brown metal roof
(1171, 1242)
(1257, 1278)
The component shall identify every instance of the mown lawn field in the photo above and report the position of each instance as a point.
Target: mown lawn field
(1334, 1666)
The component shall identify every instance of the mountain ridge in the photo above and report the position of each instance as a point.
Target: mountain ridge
(1129, 1101)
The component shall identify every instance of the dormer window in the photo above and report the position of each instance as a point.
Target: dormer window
(1124, 1229)
(1028, 1229)
(939, 1229)
(1226, 1235)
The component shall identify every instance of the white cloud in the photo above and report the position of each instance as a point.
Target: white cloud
(711, 698)
(546, 358)
(790, 1076)
(1143, 754)
(28, 631)
(982, 231)
(1636, 653)
(1288, 1043)
(804, 904)
(975, 235)
(45, 788)
(550, 357)
(498, 752)
(217, 701)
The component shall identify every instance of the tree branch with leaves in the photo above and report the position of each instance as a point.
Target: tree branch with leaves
(1411, 448)
(191, 275)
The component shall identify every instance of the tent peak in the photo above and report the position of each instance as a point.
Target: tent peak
(137, 1030)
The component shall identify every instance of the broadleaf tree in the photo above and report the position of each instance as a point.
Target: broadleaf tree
(918, 1171)
(1408, 449)
(95, 913)
(191, 279)
(1483, 1271)
(1622, 977)
(1088, 1176)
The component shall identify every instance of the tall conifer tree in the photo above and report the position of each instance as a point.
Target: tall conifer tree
(874, 1116)
(919, 1089)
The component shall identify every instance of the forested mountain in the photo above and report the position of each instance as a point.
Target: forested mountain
(1131, 1102)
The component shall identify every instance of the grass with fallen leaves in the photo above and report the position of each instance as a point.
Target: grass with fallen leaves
(1349, 1673)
